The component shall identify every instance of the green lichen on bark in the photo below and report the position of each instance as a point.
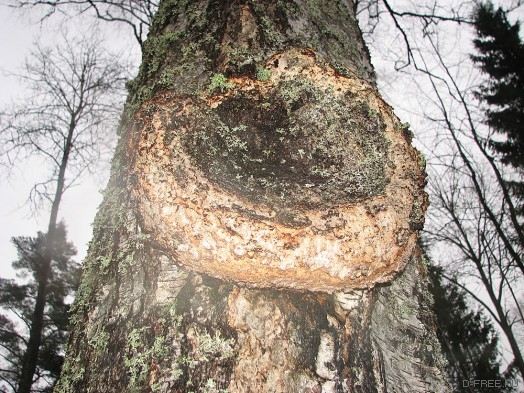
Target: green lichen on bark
(191, 40)
(297, 145)
(287, 145)
(202, 345)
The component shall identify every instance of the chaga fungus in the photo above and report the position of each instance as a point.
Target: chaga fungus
(301, 179)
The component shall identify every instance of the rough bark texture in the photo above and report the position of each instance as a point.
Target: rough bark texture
(258, 233)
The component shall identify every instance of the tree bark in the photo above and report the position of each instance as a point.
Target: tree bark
(258, 233)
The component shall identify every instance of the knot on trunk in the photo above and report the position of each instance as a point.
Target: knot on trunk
(296, 177)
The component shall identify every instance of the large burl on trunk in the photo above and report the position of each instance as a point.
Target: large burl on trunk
(259, 231)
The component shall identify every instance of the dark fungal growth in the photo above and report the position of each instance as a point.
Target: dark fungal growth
(295, 145)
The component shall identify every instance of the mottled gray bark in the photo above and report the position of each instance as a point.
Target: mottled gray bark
(258, 233)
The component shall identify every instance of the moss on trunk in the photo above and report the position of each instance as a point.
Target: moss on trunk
(262, 205)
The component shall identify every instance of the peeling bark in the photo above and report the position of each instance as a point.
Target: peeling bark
(258, 233)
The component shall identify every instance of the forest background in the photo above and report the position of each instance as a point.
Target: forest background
(406, 89)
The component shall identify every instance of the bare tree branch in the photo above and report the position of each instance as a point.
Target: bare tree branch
(136, 14)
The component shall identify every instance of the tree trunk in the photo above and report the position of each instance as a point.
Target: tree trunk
(32, 350)
(258, 233)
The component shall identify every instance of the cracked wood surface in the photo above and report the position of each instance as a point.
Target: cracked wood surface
(258, 232)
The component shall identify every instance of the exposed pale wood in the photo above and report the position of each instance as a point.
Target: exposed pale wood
(241, 262)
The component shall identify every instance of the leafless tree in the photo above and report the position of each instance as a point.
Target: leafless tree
(136, 14)
(474, 211)
(68, 116)
(408, 22)
(473, 224)
(67, 120)
(460, 222)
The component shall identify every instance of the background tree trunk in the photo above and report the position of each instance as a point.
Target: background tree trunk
(258, 233)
